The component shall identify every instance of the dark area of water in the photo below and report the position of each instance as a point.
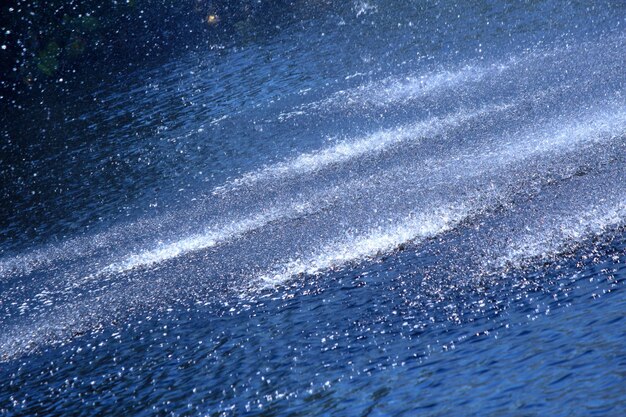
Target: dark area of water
(313, 208)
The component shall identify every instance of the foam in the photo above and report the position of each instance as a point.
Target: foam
(561, 235)
(214, 236)
(605, 123)
(351, 149)
(397, 90)
(337, 253)
(26, 263)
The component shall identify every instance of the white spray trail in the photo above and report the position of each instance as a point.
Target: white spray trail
(339, 252)
(214, 236)
(351, 149)
(395, 90)
(561, 235)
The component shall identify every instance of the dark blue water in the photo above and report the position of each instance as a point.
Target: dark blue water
(374, 208)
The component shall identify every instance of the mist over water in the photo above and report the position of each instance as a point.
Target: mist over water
(294, 225)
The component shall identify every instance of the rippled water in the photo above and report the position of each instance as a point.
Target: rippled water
(387, 209)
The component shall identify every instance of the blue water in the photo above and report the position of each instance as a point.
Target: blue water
(380, 208)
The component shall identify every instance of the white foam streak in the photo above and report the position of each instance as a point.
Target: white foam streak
(396, 90)
(351, 149)
(606, 123)
(214, 236)
(380, 240)
(405, 89)
(562, 235)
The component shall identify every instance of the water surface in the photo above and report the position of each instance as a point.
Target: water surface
(375, 209)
